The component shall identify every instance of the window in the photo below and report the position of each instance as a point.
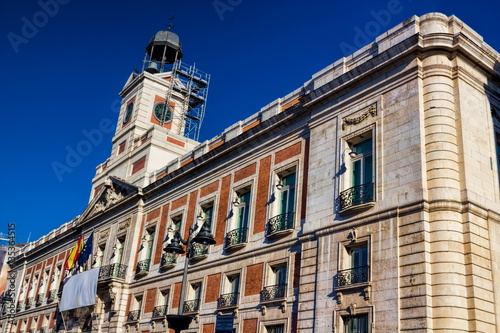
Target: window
(360, 173)
(276, 283)
(355, 264)
(280, 328)
(146, 250)
(136, 306)
(238, 224)
(204, 219)
(99, 256)
(194, 297)
(231, 291)
(160, 310)
(356, 324)
(284, 205)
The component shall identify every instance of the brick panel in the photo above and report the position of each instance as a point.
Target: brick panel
(179, 202)
(129, 301)
(40, 322)
(251, 125)
(253, 283)
(245, 172)
(193, 198)
(262, 195)
(304, 180)
(208, 328)
(220, 227)
(176, 298)
(138, 165)
(213, 284)
(150, 300)
(121, 147)
(250, 325)
(153, 215)
(296, 270)
(210, 188)
(217, 144)
(52, 320)
(161, 234)
(175, 141)
(287, 153)
(293, 102)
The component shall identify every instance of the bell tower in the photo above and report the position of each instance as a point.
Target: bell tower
(161, 112)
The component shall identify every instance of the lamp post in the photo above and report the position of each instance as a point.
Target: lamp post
(204, 237)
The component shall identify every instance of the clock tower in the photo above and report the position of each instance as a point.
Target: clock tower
(161, 112)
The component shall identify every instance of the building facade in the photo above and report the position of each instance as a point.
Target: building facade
(367, 200)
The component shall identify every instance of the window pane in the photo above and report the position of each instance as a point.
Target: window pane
(356, 324)
(356, 173)
(359, 257)
(276, 329)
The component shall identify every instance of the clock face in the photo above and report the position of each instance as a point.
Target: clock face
(128, 113)
(163, 112)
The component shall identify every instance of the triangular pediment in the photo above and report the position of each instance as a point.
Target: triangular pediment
(112, 193)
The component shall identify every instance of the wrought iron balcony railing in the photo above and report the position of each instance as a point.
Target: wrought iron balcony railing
(236, 237)
(39, 299)
(167, 260)
(52, 296)
(356, 195)
(160, 311)
(270, 293)
(197, 250)
(351, 276)
(191, 306)
(142, 267)
(112, 271)
(228, 300)
(134, 315)
(29, 303)
(280, 223)
(19, 306)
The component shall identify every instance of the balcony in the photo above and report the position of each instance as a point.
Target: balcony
(19, 306)
(39, 299)
(280, 224)
(197, 252)
(236, 238)
(142, 268)
(52, 296)
(228, 300)
(29, 303)
(271, 293)
(160, 311)
(352, 276)
(167, 261)
(356, 198)
(134, 315)
(191, 306)
(117, 271)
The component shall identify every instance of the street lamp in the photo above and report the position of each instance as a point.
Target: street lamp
(205, 238)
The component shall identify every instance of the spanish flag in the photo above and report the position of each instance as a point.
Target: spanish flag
(75, 253)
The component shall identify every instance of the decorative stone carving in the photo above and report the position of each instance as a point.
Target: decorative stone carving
(264, 310)
(368, 111)
(340, 296)
(124, 225)
(352, 309)
(103, 234)
(367, 293)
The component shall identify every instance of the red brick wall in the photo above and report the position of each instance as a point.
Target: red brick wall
(304, 180)
(217, 144)
(150, 300)
(210, 188)
(193, 198)
(161, 234)
(213, 284)
(121, 147)
(287, 153)
(176, 299)
(220, 228)
(245, 172)
(153, 214)
(251, 125)
(174, 141)
(262, 195)
(179, 202)
(52, 320)
(250, 325)
(296, 271)
(138, 165)
(253, 283)
(208, 328)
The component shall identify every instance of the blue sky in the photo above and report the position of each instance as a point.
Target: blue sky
(64, 62)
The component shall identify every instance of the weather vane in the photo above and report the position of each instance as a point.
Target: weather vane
(170, 24)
